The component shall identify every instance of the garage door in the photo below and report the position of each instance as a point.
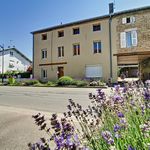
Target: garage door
(93, 71)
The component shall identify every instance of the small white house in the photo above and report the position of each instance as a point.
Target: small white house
(13, 60)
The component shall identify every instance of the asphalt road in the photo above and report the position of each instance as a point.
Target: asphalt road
(18, 104)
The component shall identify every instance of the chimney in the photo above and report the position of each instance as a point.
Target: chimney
(111, 8)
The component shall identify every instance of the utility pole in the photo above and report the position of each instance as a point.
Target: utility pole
(2, 47)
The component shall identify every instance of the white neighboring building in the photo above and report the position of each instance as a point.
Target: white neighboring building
(14, 60)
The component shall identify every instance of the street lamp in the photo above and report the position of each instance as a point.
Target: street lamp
(2, 47)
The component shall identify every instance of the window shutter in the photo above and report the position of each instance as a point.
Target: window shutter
(123, 39)
(132, 19)
(134, 37)
(124, 20)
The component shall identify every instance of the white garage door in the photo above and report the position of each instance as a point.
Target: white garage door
(93, 71)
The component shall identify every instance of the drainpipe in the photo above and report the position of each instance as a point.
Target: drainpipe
(111, 11)
(110, 46)
(51, 50)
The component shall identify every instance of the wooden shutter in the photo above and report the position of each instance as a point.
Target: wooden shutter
(134, 37)
(124, 20)
(123, 39)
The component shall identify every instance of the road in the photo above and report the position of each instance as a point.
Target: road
(18, 104)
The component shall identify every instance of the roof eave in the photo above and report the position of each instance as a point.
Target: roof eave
(91, 19)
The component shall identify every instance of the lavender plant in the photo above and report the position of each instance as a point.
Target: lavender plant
(119, 121)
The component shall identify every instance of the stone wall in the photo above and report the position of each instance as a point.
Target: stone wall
(142, 23)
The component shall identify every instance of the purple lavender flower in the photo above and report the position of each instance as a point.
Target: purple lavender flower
(69, 142)
(131, 148)
(117, 135)
(116, 128)
(118, 99)
(120, 115)
(107, 136)
(117, 87)
(123, 121)
(147, 94)
(124, 90)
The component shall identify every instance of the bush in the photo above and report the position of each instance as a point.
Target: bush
(51, 83)
(25, 74)
(119, 121)
(65, 80)
(39, 84)
(30, 82)
(11, 80)
(81, 83)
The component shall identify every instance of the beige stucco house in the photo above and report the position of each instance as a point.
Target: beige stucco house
(93, 48)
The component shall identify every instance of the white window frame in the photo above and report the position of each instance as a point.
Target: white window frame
(134, 38)
(132, 20)
(44, 53)
(76, 49)
(61, 48)
(97, 50)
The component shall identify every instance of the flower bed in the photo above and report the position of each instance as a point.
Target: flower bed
(119, 121)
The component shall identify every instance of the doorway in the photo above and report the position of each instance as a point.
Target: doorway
(60, 72)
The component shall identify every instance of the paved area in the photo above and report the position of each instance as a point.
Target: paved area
(17, 104)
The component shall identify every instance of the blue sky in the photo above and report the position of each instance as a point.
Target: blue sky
(20, 17)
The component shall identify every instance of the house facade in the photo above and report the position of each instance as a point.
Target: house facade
(93, 48)
(133, 41)
(13, 60)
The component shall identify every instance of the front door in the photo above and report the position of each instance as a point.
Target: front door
(60, 72)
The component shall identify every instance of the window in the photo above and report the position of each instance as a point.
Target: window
(128, 39)
(44, 36)
(44, 73)
(96, 27)
(76, 31)
(76, 49)
(61, 51)
(60, 33)
(44, 53)
(128, 20)
(11, 65)
(11, 53)
(97, 47)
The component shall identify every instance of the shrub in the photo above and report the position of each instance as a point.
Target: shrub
(25, 74)
(11, 80)
(81, 83)
(119, 121)
(51, 83)
(39, 84)
(30, 82)
(65, 80)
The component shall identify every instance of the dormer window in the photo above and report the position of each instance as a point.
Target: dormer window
(11, 53)
(128, 20)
